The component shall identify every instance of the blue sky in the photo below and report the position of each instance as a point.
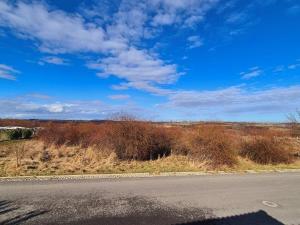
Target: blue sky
(228, 60)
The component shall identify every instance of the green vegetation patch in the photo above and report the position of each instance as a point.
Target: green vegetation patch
(16, 134)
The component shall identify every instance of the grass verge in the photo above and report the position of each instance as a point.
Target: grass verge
(34, 158)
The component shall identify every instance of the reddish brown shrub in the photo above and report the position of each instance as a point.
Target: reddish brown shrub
(83, 134)
(214, 145)
(139, 140)
(181, 140)
(52, 134)
(252, 130)
(265, 149)
(129, 139)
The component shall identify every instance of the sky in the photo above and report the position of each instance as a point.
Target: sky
(212, 60)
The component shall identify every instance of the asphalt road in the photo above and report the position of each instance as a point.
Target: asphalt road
(219, 199)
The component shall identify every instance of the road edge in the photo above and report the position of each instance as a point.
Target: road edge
(141, 175)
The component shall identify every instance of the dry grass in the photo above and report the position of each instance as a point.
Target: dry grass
(245, 164)
(3, 136)
(77, 160)
(135, 146)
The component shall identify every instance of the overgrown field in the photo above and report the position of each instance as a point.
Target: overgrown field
(139, 146)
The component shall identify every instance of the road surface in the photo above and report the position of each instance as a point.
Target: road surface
(264, 199)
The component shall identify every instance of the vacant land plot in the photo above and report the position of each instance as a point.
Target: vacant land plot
(138, 146)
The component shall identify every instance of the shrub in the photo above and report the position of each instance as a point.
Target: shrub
(129, 139)
(253, 130)
(72, 134)
(265, 149)
(51, 134)
(14, 134)
(181, 141)
(60, 134)
(213, 145)
(139, 140)
(26, 133)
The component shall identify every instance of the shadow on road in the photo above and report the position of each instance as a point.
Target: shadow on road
(255, 218)
(6, 209)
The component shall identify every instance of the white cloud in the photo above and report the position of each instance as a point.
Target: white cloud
(53, 60)
(7, 72)
(59, 32)
(38, 96)
(145, 86)
(281, 68)
(56, 31)
(137, 66)
(195, 41)
(29, 108)
(163, 19)
(185, 13)
(253, 72)
(238, 100)
(119, 97)
(57, 107)
(235, 18)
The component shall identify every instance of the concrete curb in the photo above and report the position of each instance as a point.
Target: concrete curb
(140, 175)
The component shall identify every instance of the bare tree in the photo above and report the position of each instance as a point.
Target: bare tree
(294, 121)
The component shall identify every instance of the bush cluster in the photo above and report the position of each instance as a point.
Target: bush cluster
(137, 140)
(83, 134)
(16, 134)
(209, 143)
(266, 149)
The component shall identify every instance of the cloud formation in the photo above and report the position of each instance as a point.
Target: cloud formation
(237, 100)
(116, 37)
(53, 60)
(7, 72)
(119, 97)
(195, 41)
(119, 42)
(55, 30)
(45, 109)
(251, 73)
(136, 66)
